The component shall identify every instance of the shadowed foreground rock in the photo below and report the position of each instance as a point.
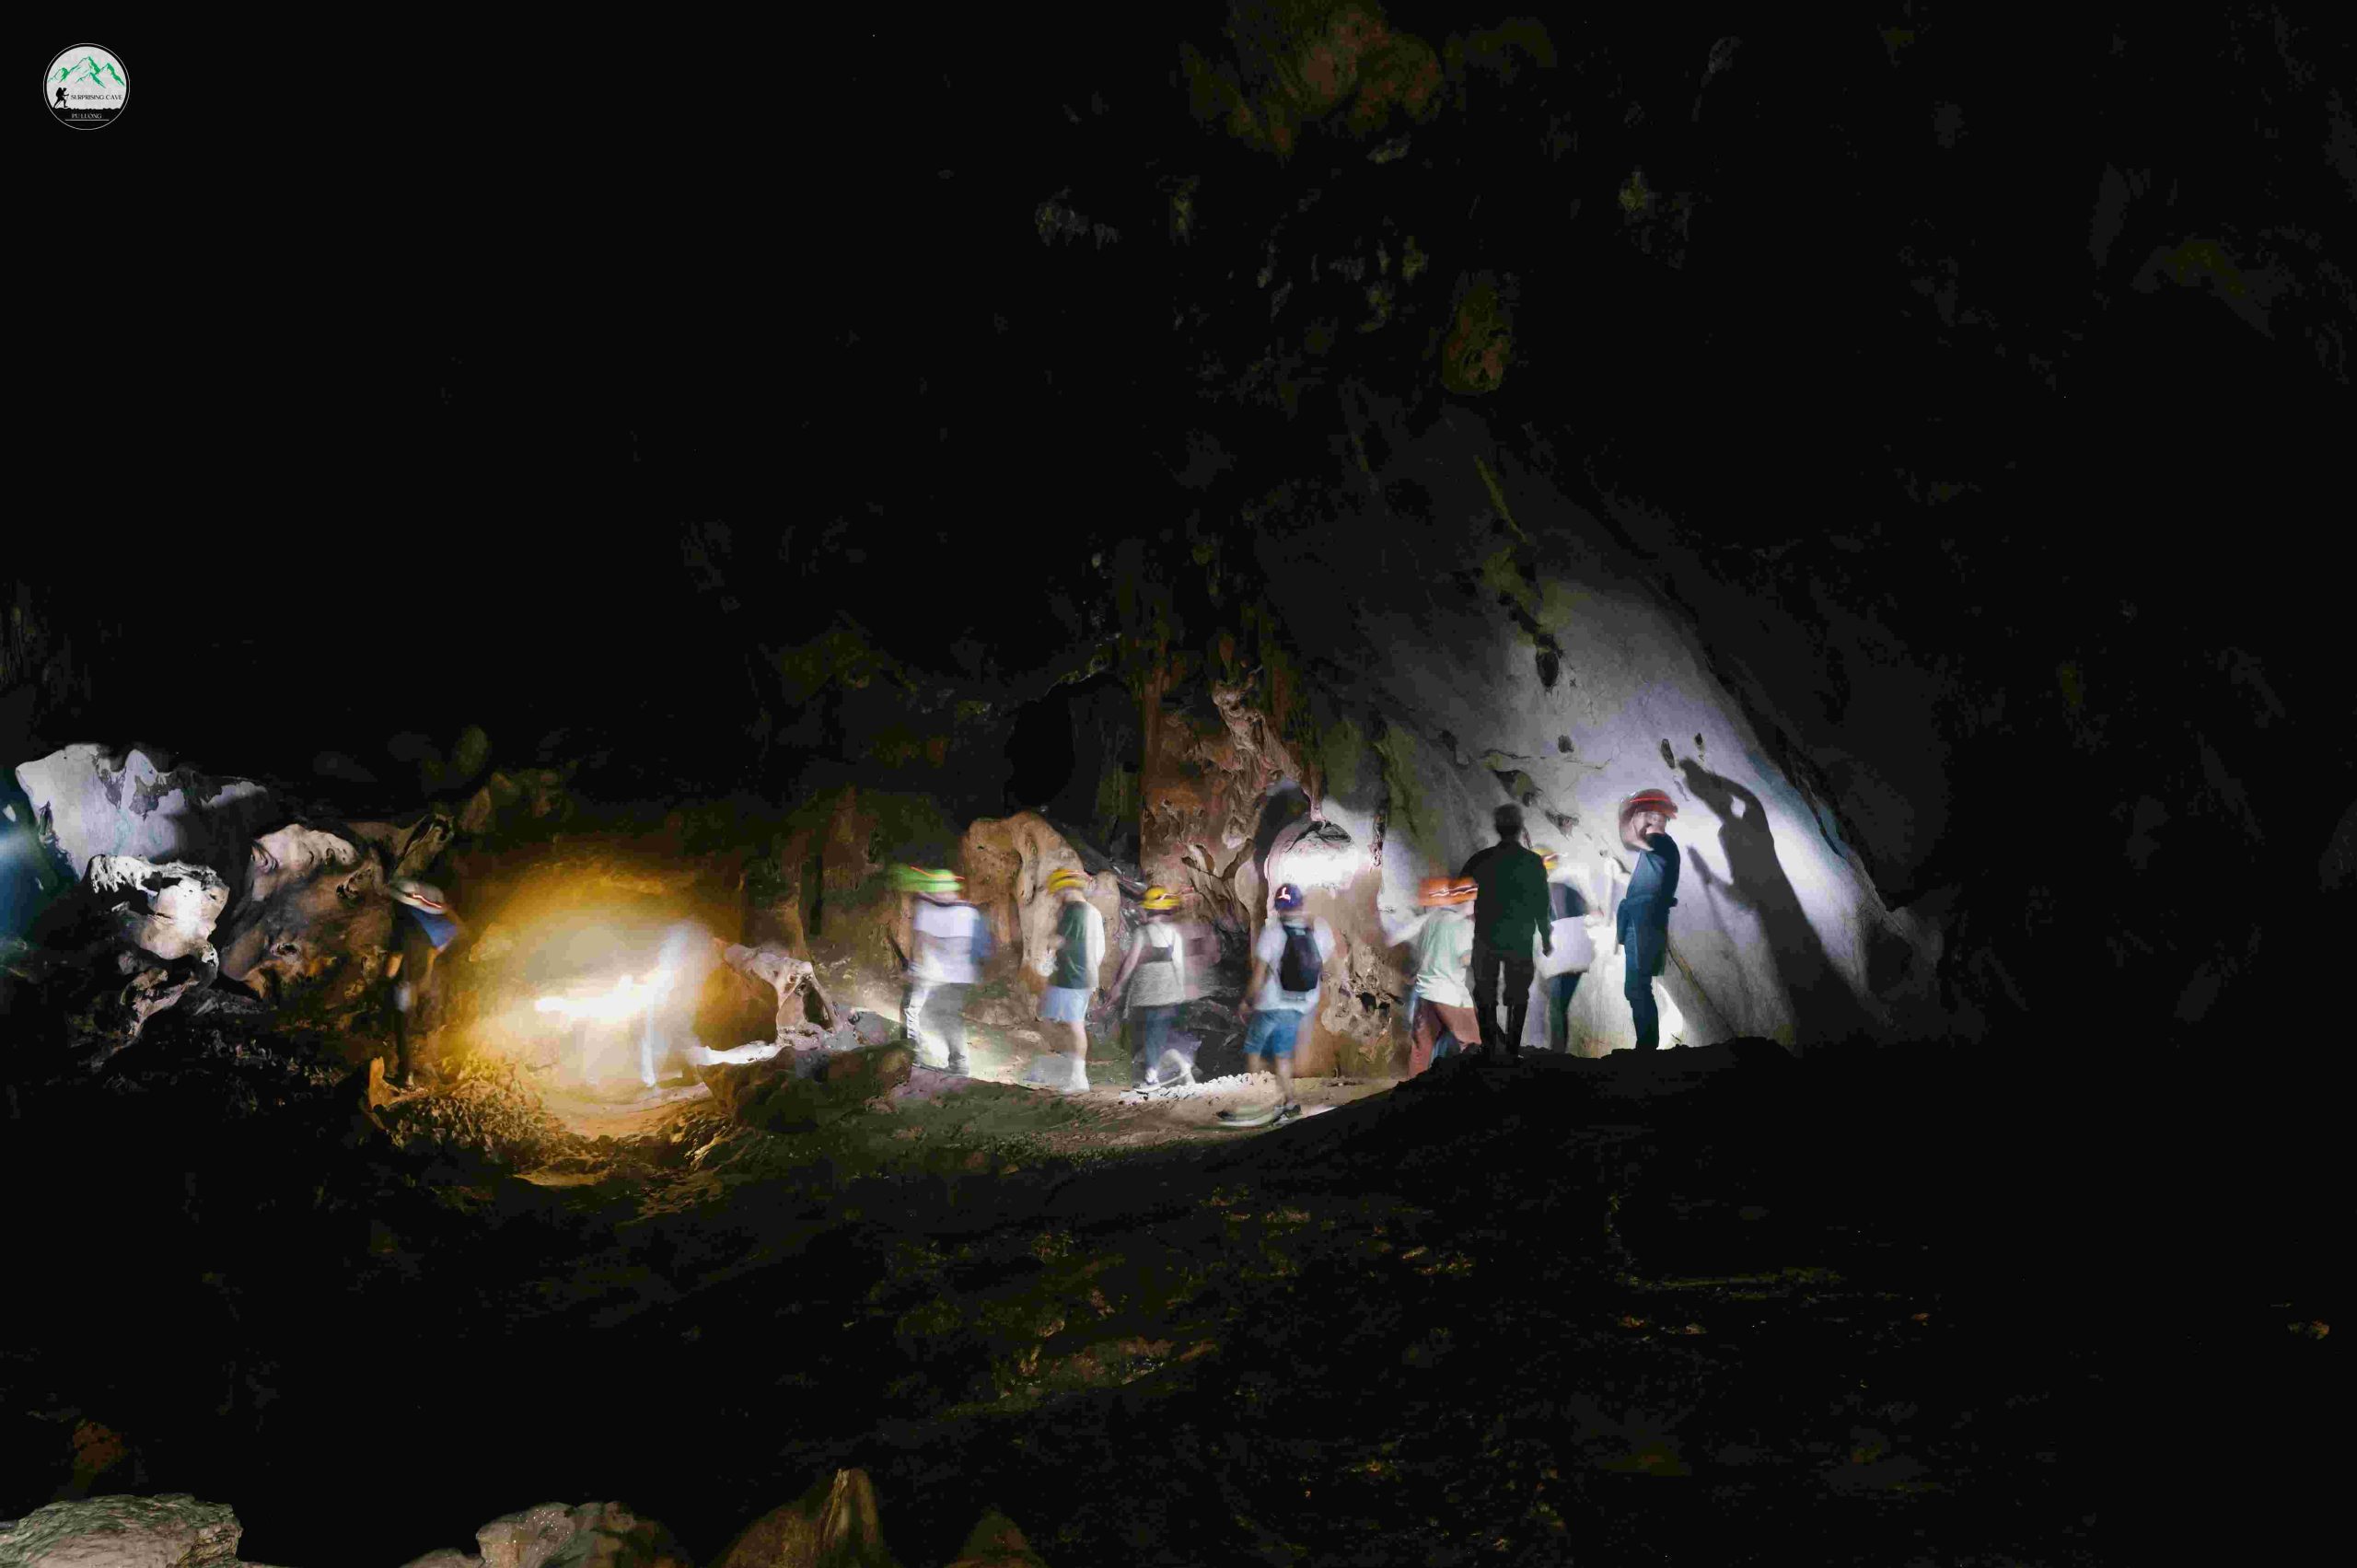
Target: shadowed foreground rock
(171, 1531)
(835, 1524)
(595, 1535)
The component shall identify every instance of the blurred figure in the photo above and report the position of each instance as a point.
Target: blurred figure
(1155, 971)
(1072, 974)
(1511, 911)
(1565, 902)
(1288, 967)
(422, 926)
(667, 1031)
(1642, 923)
(1440, 1007)
(946, 940)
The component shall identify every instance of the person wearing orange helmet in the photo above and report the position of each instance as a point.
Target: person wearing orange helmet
(1440, 1007)
(1642, 923)
(1154, 972)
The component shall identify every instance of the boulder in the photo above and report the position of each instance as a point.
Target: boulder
(171, 1531)
(868, 1072)
(128, 944)
(87, 800)
(166, 911)
(995, 1542)
(1007, 862)
(315, 923)
(786, 976)
(833, 1524)
(554, 1535)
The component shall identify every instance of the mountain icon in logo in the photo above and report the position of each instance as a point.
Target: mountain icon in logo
(88, 70)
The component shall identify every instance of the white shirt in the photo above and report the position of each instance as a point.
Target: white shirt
(1271, 950)
(945, 942)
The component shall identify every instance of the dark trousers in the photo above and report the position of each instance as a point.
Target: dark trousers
(1558, 1010)
(1648, 947)
(1519, 968)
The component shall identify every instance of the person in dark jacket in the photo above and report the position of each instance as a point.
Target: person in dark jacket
(1643, 923)
(1511, 911)
(422, 926)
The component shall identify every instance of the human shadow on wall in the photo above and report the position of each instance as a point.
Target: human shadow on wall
(1825, 1004)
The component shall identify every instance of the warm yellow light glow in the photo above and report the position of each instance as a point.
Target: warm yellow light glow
(627, 999)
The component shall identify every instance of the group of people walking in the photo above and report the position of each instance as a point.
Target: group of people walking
(1477, 943)
(1480, 935)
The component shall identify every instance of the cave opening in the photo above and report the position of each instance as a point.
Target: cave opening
(575, 870)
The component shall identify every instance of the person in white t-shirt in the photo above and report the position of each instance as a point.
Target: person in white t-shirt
(1288, 968)
(947, 940)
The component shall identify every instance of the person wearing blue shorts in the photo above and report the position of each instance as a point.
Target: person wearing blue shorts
(1288, 967)
(1071, 974)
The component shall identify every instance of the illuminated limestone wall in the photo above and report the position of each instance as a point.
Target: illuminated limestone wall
(1499, 647)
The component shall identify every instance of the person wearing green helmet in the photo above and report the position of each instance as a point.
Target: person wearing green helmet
(947, 940)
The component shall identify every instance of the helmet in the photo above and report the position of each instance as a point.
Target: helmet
(420, 895)
(1288, 896)
(1446, 892)
(1550, 859)
(939, 882)
(1649, 800)
(1065, 878)
(1160, 898)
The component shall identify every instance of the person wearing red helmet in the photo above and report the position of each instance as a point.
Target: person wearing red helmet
(1642, 924)
(1440, 1008)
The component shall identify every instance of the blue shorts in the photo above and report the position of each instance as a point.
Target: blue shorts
(1061, 1004)
(1272, 1032)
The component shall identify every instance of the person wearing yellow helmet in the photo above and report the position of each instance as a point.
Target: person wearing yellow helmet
(1642, 923)
(1157, 963)
(1072, 975)
(1568, 908)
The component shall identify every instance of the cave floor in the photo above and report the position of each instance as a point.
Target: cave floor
(1696, 1310)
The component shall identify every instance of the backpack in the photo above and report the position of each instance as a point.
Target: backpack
(1301, 966)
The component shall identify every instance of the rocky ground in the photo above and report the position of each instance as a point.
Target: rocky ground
(1719, 1307)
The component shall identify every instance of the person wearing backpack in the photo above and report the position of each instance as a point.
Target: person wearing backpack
(1512, 911)
(1288, 965)
(947, 942)
(1073, 966)
(1155, 973)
